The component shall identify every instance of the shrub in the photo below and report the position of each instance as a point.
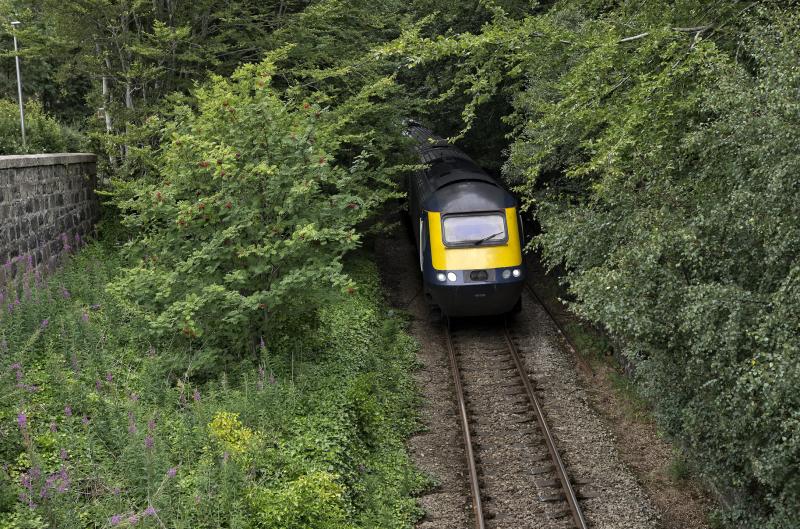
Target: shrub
(98, 433)
(676, 213)
(246, 223)
(42, 132)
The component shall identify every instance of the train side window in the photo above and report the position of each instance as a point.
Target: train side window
(421, 243)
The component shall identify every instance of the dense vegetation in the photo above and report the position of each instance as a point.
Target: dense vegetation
(43, 132)
(654, 142)
(102, 428)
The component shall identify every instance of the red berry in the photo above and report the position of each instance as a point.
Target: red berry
(203, 164)
(306, 106)
(201, 206)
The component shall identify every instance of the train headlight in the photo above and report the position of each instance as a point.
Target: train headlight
(441, 277)
(516, 272)
(451, 276)
(506, 274)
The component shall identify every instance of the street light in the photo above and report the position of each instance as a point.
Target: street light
(14, 24)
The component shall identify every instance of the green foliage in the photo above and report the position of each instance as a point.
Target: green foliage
(655, 143)
(309, 434)
(42, 132)
(246, 223)
(663, 173)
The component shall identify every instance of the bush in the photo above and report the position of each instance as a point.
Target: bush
(98, 433)
(675, 206)
(246, 223)
(42, 132)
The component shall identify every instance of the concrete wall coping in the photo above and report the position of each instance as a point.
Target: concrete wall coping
(16, 161)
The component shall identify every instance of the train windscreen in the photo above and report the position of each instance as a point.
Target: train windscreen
(466, 230)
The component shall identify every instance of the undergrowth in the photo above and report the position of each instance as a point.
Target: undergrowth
(100, 428)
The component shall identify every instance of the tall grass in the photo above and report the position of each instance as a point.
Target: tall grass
(100, 426)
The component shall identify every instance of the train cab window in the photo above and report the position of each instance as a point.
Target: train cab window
(474, 230)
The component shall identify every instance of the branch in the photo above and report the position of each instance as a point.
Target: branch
(696, 30)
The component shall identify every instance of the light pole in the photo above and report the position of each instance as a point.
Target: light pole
(14, 24)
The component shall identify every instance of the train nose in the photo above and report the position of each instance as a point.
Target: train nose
(477, 299)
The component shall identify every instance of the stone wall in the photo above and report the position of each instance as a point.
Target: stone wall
(47, 207)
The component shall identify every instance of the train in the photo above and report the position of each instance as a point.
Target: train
(467, 230)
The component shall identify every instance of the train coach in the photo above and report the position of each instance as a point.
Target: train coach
(467, 232)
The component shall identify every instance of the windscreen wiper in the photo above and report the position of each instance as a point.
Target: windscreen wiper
(492, 236)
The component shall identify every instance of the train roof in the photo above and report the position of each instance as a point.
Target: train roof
(454, 182)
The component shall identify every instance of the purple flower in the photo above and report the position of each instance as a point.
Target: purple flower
(63, 480)
(53, 427)
(85, 317)
(148, 442)
(85, 420)
(172, 472)
(133, 519)
(109, 377)
(134, 397)
(63, 454)
(22, 420)
(98, 385)
(131, 423)
(151, 424)
(45, 323)
(116, 519)
(115, 491)
(68, 411)
(65, 293)
(196, 395)
(150, 511)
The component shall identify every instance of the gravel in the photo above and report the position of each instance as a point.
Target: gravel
(513, 458)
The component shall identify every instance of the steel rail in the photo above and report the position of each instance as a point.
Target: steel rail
(561, 470)
(462, 411)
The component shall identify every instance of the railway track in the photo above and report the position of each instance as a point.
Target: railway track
(507, 456)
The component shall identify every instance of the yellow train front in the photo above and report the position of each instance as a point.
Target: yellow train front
(467, 232)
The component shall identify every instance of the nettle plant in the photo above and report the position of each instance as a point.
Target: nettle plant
(247, 221)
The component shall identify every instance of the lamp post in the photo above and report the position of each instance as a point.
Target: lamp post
(14, 24)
